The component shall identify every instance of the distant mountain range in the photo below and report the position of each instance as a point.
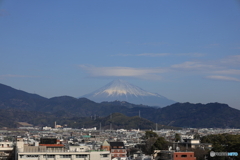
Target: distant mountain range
(123, 91)
(17, 106)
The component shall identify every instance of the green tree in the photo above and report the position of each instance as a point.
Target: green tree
(160, 144)
(177, 137)
(223, 143)
(150, 138)
(150, 134)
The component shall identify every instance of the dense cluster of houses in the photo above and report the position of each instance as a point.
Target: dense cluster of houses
(92, 144)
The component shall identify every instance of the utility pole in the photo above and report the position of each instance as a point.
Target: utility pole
(111, 122)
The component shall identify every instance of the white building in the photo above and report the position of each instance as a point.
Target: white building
(6, 150)
(58, 151)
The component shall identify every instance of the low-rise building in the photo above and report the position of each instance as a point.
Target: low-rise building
(118, 150)
(6, 150)
(51, 149)
(173, 155)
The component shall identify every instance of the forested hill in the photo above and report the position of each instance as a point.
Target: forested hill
(178, 114)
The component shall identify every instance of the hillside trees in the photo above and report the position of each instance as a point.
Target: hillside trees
(153, 142)
(223, 143)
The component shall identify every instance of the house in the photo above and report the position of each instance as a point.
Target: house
(173, 155)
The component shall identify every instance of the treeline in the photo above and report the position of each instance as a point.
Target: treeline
(223, 143)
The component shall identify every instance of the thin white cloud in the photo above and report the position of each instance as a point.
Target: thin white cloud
(225, 78)
(190, 54)
(143, 73)
(192, 65)
(221, 68)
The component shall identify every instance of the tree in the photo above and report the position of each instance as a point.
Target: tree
(177, 137)
(150, 134)
(150, 138)
(160, 144)
(223, 143)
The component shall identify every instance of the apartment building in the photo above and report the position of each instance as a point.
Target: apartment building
(51, 149)
(6, 150)
(118, 150)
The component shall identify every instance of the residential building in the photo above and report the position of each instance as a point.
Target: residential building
(6, 150)
(173, 155)
(52, 149)
(118, 150)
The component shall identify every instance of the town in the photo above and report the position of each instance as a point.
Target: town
(57, 142)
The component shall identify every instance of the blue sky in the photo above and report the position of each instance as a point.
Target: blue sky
(188, 51)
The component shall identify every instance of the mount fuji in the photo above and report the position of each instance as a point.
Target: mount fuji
(123, 91)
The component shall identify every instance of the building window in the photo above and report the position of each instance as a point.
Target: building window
(49, 156)
(104, 155)
(81, 156)
(32, 156)
(65, 156)
(184, 155)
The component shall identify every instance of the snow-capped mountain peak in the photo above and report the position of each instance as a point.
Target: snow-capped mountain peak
(124, 91)
(121, 87)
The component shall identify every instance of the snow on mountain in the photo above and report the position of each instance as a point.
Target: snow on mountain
(124, 91)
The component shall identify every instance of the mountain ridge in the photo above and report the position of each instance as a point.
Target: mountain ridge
(59, 108)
